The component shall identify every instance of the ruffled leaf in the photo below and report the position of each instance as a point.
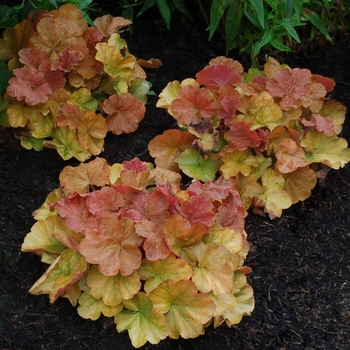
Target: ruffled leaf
(156, 272)
(142, 321)
(320, 148)
(186, 311)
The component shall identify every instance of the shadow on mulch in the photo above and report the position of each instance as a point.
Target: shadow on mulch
(300, 262)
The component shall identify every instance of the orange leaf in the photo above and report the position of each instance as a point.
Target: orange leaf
(124, 113)
(290, 156)
(193, 105)
(114, 247)
(167, 147)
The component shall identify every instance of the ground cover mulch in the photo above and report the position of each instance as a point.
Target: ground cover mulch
(300, 262)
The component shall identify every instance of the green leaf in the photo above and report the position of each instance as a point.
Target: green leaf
(315, 20)
(216, 12)
(194, 165)
(142, 321)
(287, 25)
(259, 8)
(233, 22)
(8, 17)
(32, 142)
(288, 8)
(165, 11)
(180, 5)
(4, 77)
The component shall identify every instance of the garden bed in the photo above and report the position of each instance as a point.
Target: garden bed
(300, 262)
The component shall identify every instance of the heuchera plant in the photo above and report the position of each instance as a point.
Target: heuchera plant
(267, 130)
(71, 83)
(128, 242)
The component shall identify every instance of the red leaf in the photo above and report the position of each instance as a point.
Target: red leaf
(78, 217)
(198, 210)
(105, 202)
(33, 57)
(134, 165)
(124, 113)
(213, 77)
(30, 85)
(193, 105)
(241, 137)
(154, 245)
(320, 123)
(326, 82)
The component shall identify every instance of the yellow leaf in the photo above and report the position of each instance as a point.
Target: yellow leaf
(186, 310)
(237, 162)
(214, 272)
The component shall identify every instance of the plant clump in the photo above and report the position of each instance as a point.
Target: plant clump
(272, 131)
(70, 83)
(128, 241)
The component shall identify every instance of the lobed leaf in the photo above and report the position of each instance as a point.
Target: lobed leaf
(186, 310)
(141, 320)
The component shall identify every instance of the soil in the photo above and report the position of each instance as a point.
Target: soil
(300, 262)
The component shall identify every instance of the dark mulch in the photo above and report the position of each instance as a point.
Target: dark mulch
(300, 262)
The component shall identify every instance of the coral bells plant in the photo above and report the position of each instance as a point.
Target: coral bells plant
(128, 242)
(267, 130)
(71, 83)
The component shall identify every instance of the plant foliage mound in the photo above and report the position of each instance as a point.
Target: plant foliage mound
(271, 131)
(126, 241)
(70, 83)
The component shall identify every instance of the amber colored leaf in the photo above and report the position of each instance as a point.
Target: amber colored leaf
(275, 137)
(112, 289)
(241, 137)
(186, 311)
(158, 271)
(92, 131)
(76, 213)
(155, 246)
(167, 147)
(214, 271)
(181, 234)
(320, 148)
(290, 156)
(29, 85)
(237, 162)
(71, 115)
(124, 113)
(215, 76)
(61, 31)
(199, 167)
(299, 183)
(141, 320)
(91, 308)
(114, 247)
(336, 112)
(115, 65)
(13, 40)
(244, 296)
(79, 178)
(260, 110)
(109, 24)
(249, 188)
(152, 63)
(274, 198)
(192, 105)
(66, 270)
